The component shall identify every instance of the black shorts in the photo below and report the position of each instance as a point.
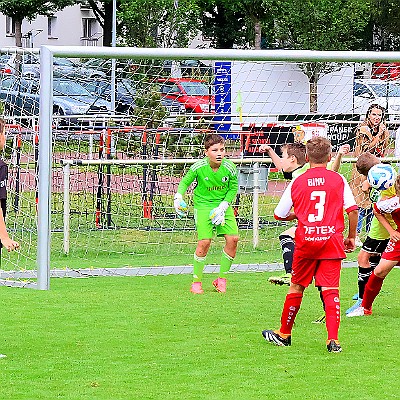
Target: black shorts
(374, 245)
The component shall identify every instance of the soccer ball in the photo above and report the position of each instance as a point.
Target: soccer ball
(381, 176)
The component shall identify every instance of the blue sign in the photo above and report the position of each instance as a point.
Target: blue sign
(223, 98)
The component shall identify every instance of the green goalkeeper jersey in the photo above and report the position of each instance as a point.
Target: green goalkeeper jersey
(212, 187)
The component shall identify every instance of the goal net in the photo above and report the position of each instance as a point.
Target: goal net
(97, 146)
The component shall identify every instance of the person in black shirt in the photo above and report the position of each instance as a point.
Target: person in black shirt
(5, 239)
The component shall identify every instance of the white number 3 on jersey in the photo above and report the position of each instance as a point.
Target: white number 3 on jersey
(320, 196)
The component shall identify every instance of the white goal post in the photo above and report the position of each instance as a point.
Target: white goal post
(47, 53)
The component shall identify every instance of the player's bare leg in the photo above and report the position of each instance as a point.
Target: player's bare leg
(199, 261)
(227, 257)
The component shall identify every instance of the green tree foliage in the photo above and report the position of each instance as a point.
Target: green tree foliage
(237, 23)
(383, 31)
(158, 23)
(223, 23)
(321, 25)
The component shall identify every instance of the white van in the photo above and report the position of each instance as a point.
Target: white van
(383, 92)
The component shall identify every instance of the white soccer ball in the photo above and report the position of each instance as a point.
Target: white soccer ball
(381, 176)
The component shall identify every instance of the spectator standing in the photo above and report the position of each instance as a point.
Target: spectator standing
(372, 136)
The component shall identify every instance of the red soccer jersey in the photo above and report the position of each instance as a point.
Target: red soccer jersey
(390, 206)
(318, 197)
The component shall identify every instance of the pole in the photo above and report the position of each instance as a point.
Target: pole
(18, 172)
(100, 176)
(256, 189)
(113, 61)
(153, 175)
(108, 178)
(45, 156)
(144, 187)
(66, 174)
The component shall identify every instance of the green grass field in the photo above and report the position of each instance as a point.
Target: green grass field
(149, 338)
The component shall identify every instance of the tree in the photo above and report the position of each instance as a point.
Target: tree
(19, 10)
(383, 31)
(158, 23)
(236, 23)
(321, 25)
(259, 14)
(103, 11)
(223, 22)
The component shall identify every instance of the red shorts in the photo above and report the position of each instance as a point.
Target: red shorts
(325, 272)
(392, 251)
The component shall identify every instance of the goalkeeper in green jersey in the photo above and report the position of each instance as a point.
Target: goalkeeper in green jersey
(216, 187)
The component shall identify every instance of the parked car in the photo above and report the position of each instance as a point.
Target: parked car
(8, 63)
(383, 92)
(173, 107)
(385, 70)
(125, 96)
(122, 66)
(188, 67)
(30, 67)
(21, 97)
(196, 95)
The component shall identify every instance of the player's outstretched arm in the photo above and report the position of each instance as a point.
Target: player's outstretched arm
(343, 150)
(350, 241)
(394, 235)
(10, 244)
(7, 242)
(266, 148)
(289, 217)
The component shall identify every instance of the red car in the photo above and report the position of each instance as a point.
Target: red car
(196, 95)
(386, 71)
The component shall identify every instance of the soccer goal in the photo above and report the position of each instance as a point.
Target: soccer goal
(94, 183)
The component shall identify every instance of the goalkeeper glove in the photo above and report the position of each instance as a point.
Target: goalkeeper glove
(217, 215)
(180, 205)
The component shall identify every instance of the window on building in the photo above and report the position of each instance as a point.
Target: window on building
(88, 27)
(10, 26)
(51, 26)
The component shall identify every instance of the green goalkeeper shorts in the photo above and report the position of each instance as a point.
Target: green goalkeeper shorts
(205, 228)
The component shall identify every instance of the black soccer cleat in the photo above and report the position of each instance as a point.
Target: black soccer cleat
(276, 339)
(334, 347)
(319, 320)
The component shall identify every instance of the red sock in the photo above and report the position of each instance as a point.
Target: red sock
(289, 312)
(332, 312)
(372, 289)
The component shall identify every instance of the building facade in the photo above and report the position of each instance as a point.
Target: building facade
(74, 26)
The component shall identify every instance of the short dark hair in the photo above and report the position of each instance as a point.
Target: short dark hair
(297, 150)
(365, 162)
(318, 150)
(212, 139)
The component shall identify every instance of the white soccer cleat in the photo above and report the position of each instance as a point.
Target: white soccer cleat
(359, 312)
